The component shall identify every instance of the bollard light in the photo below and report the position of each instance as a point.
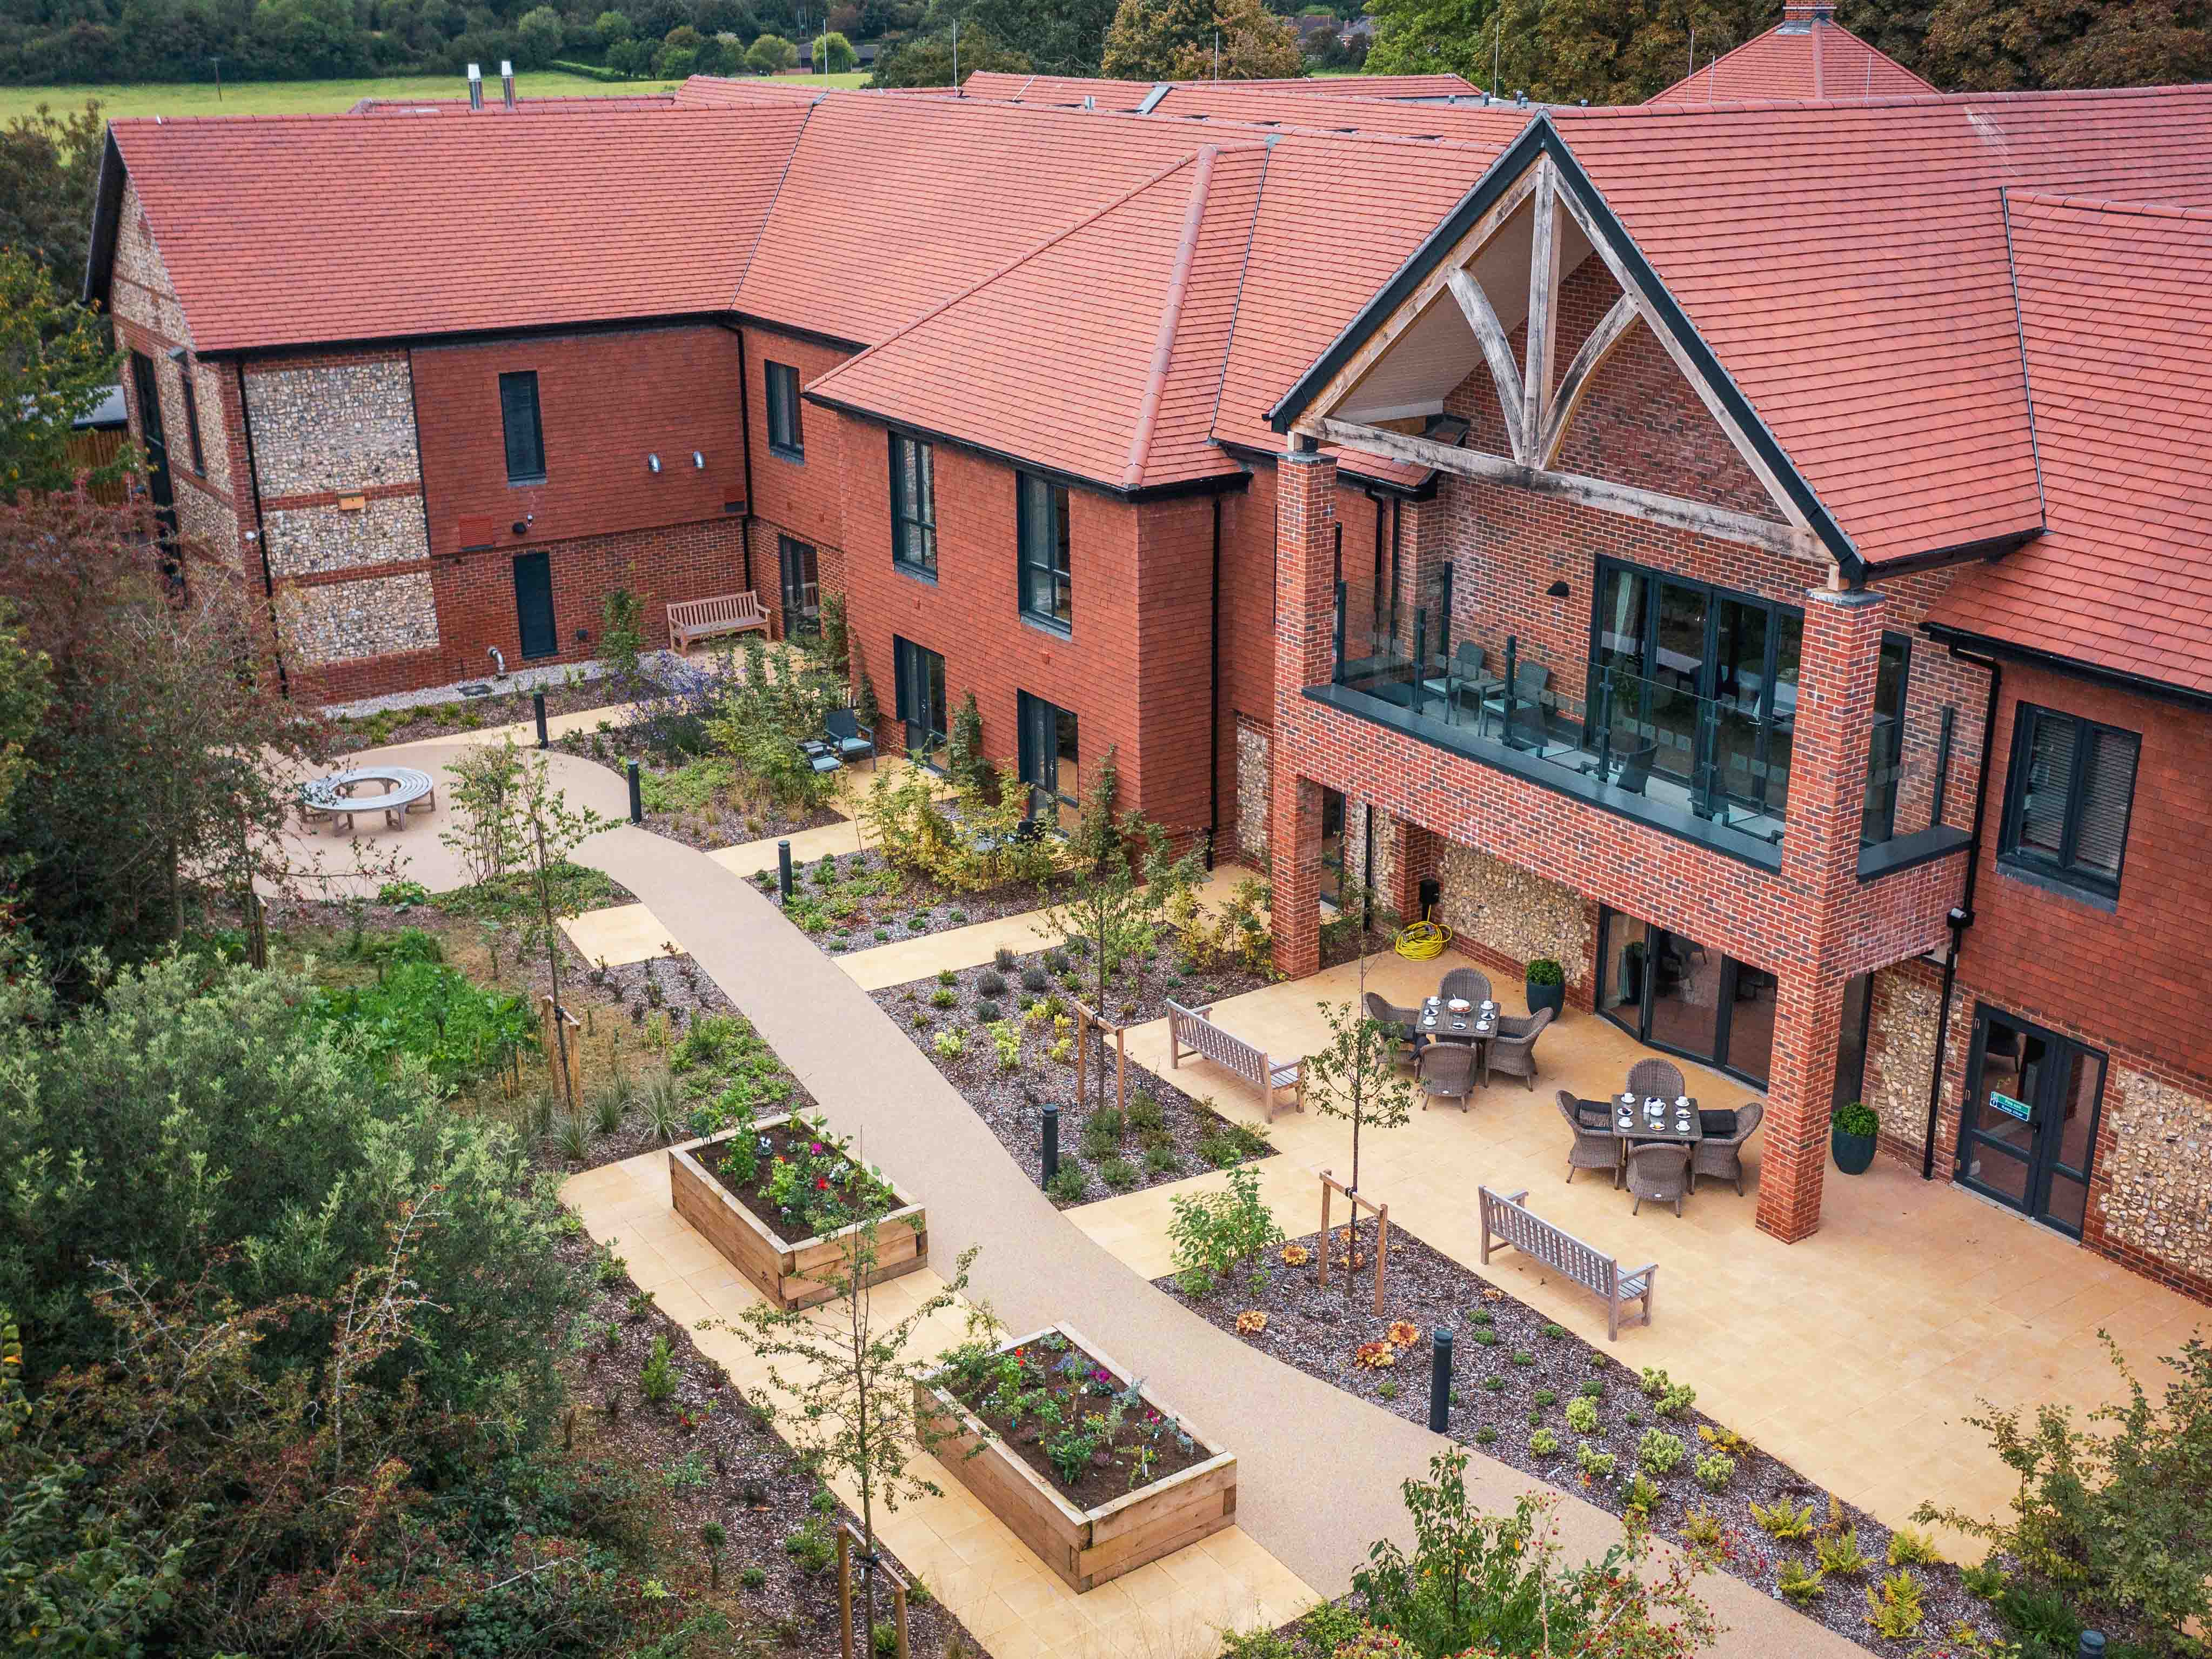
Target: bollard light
(783, 871)
(1051, 1142)
(1440, 1373)
(537, 702)
(636, 797)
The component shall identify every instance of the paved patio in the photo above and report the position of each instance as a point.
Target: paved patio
(1854, 1355)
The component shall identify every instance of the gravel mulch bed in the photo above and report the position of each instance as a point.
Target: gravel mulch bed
(855, 901)
(442, 719)
(1495, 1396)
(706, 1456)
(1185, 1137)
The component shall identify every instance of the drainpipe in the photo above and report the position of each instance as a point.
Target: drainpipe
(1962, 918)
(1213, 700)
(745, 449)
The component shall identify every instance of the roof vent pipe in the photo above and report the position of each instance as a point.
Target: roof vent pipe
(1520, 99)
(506, 82)
(1089, 102)
(475, 88)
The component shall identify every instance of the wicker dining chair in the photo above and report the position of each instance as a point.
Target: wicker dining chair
(1447, 1072)
(1648, 1079)
(1721, 1154)
(1658, 1170)
(1465, 982)
(1513, 1050)
(1380, 1009)
(1593, 1148)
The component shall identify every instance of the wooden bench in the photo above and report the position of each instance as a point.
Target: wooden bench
(1507, 1223)
(706, 619)
(1193, 1035)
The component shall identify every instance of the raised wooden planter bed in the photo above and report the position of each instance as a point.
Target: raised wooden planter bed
(1085, 1547)
(786, 1271)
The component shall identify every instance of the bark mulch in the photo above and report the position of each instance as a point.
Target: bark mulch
(1169, 1136)
(855, 901)
(706, 1456)
(1515, 1373)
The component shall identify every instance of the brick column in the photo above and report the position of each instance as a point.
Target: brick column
(1306, 624)
(1835, 722)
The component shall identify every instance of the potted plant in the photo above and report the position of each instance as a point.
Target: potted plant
(1547, 986)
(1852, 1132)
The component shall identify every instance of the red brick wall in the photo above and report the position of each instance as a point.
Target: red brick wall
(803, 499)
(605, 402)
(1247, 633)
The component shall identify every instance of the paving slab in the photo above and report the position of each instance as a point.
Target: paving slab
(621, 933)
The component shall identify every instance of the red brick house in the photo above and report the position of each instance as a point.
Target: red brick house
(1758, 554)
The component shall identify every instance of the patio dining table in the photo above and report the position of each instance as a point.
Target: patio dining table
(1438, 1022)
(1629, 1119)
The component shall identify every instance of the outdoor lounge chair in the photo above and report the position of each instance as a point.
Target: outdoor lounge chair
(842, 728)
(1467, 984)
(1513, 1050)
(1380, 1009)
(1594, 1147)
(1447, 1072)
(1721, 1151)
(1532, 684)
(1658, 1170)
(1659, 1078)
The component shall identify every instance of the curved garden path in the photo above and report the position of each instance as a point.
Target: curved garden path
(1319, 1471)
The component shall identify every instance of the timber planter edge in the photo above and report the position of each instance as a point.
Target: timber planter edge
(786, 1271)
(1085, 1548)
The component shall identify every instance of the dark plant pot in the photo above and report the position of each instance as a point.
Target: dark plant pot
(1553, 997)
(1853, 1153)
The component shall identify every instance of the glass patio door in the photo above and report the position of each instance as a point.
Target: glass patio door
(2029, 1132)
(1669, 991)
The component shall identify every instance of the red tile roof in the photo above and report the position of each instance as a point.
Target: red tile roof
(1808, 55)
(2113, 310)
(1127, 399)
(1847, 265)
(716, 91)
(290, 230)
(1128, 94)
(493, 103)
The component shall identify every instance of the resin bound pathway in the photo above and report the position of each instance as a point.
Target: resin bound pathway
(1319, 1471)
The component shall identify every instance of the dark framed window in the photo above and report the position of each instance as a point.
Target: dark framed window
(191, 416)
(1050, 761)
(1048, 589)
(914, 505)
(525, 434)
(786, 437)
(920, 673)
(2068, 794)
(1886, 746)
(802, 587)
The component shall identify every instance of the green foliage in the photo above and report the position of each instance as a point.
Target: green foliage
(432, 1015)
(1543, 1442)
(972, 844)
(1071, 1183)
(657, 1380)
(771, 54)
(1328, 1626)
(1596, 1464)
(763, 712)
(1895, 1610)
(622, 616)
(1838, 1550)
(1798, 1584)
(1714, 1470)
(813, 1547)
(1355, 1075)
(55, 366)
(1987, 1581)
(1216, 1233)
(1545, 971)
(1581, 1416)
(1785, 1520)
(1911, 1548)
(926, 60)
(1855, 1119)
(1194, 39)
(965, 764)
(834, 54)
(1660, 1452)
(49, 164)
(2108, 1509)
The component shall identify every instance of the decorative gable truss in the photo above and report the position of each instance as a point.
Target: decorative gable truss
(1503, 271)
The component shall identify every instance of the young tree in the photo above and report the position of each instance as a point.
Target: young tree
(928, 60)
(834, 54)
(549, 831)
(847, 1380)
(771, 54)
(483, 829)
(1355, 1077)
(1200, 39)
(55, 366)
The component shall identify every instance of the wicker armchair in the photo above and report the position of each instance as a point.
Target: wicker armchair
(1513, 1050)
(1465, 982)
(1593, 1148)
(1658, 1170)
(1648, 1079)
(1723, 1155)
(1447, 1072)
(1380, 1009)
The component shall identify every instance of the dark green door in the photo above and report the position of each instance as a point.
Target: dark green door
(533, 604)
(154, 441)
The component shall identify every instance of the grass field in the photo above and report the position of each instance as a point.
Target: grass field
(295, 97)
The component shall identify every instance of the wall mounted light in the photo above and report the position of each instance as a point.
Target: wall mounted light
(652, 463)
(1557, 591)
(520, 526)
(698, 460)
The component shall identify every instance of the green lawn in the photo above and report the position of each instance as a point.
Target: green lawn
(292, 97)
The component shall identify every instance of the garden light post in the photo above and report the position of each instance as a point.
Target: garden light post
(636, 797)
(783, 871)
(2093, 1645)
(1051, 1141)
(1440, 1350)
(537, 702)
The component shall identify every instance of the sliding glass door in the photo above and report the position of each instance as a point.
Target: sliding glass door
(1670, 991)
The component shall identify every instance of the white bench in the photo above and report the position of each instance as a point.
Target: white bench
(706, 619)
(1193, 1035)
(1507, 1223)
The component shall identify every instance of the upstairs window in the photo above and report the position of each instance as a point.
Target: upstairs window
(526, 437)
(2068, 794)
(785, 435)
(1047, 591)
(913, 506)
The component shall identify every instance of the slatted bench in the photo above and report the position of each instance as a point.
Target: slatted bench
(1193, 1035)
(1506, 1223)
(706, 619)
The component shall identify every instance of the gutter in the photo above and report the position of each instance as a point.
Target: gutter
(1962, 918)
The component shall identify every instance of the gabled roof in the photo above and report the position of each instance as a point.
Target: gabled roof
(715, 91)
(1073, 89)
(494, 106)
(1808, 55)
(1120, 394)
(304, 230)
(2114, 312)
